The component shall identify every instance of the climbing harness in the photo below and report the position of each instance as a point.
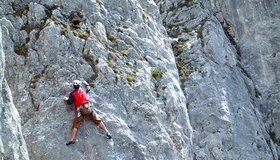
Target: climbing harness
(85, 142)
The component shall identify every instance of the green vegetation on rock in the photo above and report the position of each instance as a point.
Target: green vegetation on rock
(157, 73)
(124, 52)
(21, 50)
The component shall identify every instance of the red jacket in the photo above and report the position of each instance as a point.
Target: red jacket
(79, 97)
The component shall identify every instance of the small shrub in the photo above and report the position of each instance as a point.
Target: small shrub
(181, 63)
(21, 50)
(119, 30)
(179, 46)
(124, 52)
(37, 108)
(58, 22)
(125, 26)
(130, 78)
(37, 35)
(185, 72)
(176, 32)
(76, 33)
(135, 71)
(117, 71)
(22, 10)
(28, 28)
(145, 13)
(110, 61)
(157, 73)
(111, 37)
(88, 57)
(129, 63)
(183, 39)
(63, 31)
(84, 35)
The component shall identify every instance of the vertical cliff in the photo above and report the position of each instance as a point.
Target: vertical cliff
(190, 79)
(221, 83)
(254, 27)
(12, 144)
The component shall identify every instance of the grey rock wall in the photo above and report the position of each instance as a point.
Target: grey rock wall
(12, 143)
(254, 28)
(116, 48)
(191, 79)
(218, 47)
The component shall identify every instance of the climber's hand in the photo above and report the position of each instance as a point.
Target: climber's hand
(65, 98)
(85, 83)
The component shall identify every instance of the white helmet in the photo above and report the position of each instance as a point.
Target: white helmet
(77, 83)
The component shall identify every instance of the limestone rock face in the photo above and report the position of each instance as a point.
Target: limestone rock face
(256, 33)
(226, 54)
(191, 79)
(12, 144)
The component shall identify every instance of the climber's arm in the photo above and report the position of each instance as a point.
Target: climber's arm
(87, 86)
(69, 100)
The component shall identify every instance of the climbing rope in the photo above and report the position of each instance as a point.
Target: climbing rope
(85, 142)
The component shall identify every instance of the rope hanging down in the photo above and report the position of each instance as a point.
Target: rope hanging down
(85, 142)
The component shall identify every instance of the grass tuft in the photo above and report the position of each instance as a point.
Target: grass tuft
(157, 73)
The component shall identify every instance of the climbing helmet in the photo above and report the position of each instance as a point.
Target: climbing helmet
(76, 83)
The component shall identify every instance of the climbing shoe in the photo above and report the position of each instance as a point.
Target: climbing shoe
(108, 135)
(70, 142)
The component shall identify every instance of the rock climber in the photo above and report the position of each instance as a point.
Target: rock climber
(83, 108)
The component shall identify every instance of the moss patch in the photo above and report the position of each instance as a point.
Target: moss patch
(157, 73)
(21, 50)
